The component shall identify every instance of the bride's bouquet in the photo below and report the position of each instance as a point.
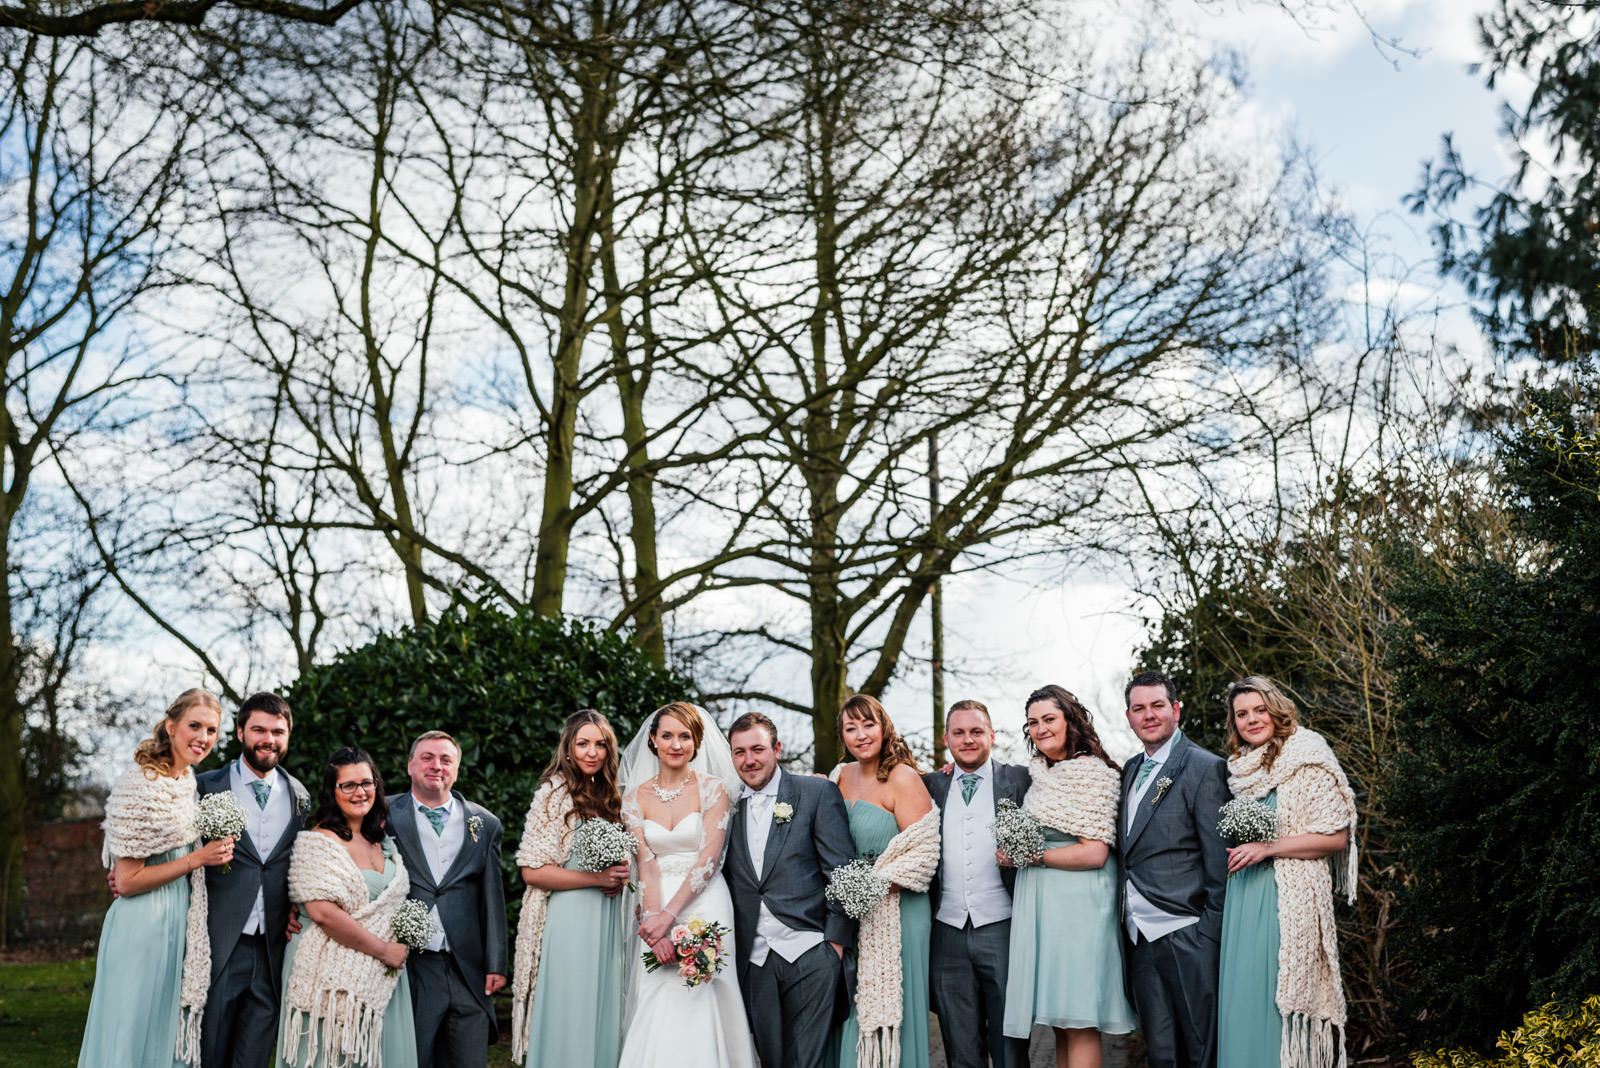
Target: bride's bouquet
(599, 844)
(698, 946)
(221, 816)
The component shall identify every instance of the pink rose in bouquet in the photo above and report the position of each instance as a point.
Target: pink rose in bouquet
(699, 951)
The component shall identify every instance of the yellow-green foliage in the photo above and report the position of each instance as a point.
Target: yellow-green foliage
(1553, 1036)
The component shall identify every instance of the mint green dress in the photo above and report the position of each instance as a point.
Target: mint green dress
(872, 828)
(1066, 961)
(138, 979)
(575, 1018)
(399, 1026)
(1249, 1026)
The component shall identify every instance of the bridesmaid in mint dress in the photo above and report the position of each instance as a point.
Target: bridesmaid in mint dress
(1066, 959)
(575, 1017)
(1249, 1025)
(351, 799)
(133, 1012)
(884, 793)
(399, 1026)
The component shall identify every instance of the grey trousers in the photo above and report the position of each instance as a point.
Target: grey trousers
(967, 985)
(1174, 982)
(240, 1027)
(452, 1030)
(791, 1007)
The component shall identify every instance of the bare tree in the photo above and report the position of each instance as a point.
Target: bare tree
(90, 182)
(1048, 273)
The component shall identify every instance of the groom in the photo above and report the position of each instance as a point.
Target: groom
(788, 834)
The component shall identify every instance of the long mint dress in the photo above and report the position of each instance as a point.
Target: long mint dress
(1249, 1026)
(872, 828)
(1066, 963)
(575, 1018)
(399, 1026)
(138, 979)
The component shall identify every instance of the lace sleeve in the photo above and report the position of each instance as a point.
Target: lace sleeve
(649, 873)
(715, 813)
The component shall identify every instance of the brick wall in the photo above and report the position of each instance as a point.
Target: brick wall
(64, 889)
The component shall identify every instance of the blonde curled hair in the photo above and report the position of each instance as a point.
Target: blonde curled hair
(154, 754)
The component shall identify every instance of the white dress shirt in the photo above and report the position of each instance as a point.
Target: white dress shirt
(1143, 917)
(771, 933)
(441, 850)
(970, 887)
(265, 826)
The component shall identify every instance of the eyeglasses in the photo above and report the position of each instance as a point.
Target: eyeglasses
(365, 786)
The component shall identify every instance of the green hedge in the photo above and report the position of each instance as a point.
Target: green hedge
(502, 684)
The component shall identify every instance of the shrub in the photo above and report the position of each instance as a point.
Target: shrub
(502, 684)
(1554, 1036)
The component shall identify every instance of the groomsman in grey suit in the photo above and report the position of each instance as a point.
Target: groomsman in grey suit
(249, 913)
(971, 896)
(788, 834)
(451, 849)
(1174, 870)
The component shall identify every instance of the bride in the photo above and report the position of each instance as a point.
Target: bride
(677, 778)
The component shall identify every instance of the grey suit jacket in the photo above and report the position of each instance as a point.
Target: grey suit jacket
(801, 853)
(231, 895)
(1011, 782)
(1173, 852)
(471, 896)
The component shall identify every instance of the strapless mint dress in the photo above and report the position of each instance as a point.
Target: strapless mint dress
(872, 828)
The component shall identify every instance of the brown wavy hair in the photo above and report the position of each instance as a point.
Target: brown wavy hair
(1081, 737)
(154, 754)
(1285, 717)
(894, 751)
(593, 797)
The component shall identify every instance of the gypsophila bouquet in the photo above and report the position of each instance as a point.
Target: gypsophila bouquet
(598, 844)
(698, 948)
(1017, 834)
(1247, 821)
(857, 887)
(412, 926)
(221, 816)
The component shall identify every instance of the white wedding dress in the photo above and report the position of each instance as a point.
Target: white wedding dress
(671, 1024)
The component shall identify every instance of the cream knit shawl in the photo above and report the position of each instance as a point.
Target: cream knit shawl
(546, 839)
(147, 815)
(1077, 796)
(336, 996)
(908, 861)
(1314, 797)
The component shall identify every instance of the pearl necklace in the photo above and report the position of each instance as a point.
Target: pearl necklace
(668, 796)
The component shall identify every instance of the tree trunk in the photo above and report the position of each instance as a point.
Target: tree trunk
(590, 171)
(13, 796)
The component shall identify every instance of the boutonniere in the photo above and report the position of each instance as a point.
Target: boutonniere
(302, 800)
(1161, 787)
(782, 812)
(474, 825)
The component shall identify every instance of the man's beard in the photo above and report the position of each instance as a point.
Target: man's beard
(272, 756)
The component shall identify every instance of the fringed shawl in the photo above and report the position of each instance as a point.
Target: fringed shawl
(546, 839)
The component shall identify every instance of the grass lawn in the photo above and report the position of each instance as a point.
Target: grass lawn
(42, 1009)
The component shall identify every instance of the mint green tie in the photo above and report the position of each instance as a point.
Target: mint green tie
(969, 786)
(262, 791)
(1144, 773)
(435, 817)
